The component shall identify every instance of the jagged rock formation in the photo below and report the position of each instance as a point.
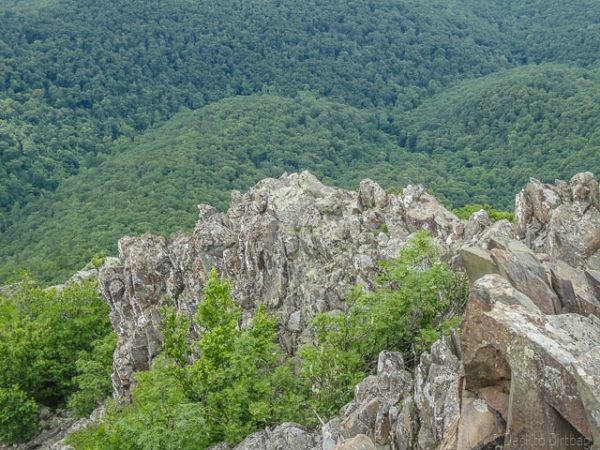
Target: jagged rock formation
(525, 372)
(292, 243)
(562, 220)
(392, 409)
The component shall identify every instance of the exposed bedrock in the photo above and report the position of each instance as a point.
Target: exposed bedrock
(524, 373)
(291, 243)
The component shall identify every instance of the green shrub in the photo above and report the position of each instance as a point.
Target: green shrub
(238, 383)
(494, 214)
(97, 260)
(418, 299)
(18, 415)
(92, 382)
(53, 343)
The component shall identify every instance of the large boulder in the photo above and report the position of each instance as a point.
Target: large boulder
(531, 369)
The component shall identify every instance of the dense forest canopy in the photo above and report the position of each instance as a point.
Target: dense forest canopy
(155, 182)
(79, 74)
(118, 117)
(495, 132)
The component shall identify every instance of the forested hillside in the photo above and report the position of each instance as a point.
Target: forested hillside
(78, 74)
(493, 133)
(155, 182)
(118, 117)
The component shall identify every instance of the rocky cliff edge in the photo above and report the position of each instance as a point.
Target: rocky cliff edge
(525, 372)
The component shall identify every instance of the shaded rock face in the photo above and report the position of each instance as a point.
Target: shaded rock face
(291, 243)
(562, 220)
(527, 368)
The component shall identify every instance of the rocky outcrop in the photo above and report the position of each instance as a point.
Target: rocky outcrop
(562, 220)
(531, 335)
(524, 373)
(525, 367)
(291, 243)
(392, 409)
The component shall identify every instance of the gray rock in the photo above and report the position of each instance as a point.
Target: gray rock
(562, 220)
(287, 436)
(291, 243)
(359, 442)
(436, 397)
(477, 262)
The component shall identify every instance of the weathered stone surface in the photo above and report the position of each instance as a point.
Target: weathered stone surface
(478, 222)
(371, 412)
(492, 288)
(359, 442)
(436, 397)
(562, 220)
(535, 359)
(291, 243)
(519, 265)
(478, 262)
(588, 385)
(593, 279)
(525, 272)
(393, 411)
(479, 425)
(575, 289)
(136, 292)
(407, 425)
(361, 420)
(287, 436)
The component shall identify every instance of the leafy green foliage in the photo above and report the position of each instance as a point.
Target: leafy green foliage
(520, 130)
(494, 214)
(53, 344)
(92, 381)
(160, 417)
(18, 415)
(419, 298)
(238, 383)
(489, 136)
